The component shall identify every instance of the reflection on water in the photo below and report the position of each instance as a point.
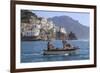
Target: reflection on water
(32, 51)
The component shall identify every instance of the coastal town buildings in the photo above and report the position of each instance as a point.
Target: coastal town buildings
(34, 27)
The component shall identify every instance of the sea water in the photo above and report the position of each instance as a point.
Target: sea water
(32, 51)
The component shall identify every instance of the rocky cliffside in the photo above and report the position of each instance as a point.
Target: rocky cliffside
(34, 27)
(71, 25)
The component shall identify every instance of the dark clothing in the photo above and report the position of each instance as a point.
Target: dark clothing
(64, 42)
(50, 46)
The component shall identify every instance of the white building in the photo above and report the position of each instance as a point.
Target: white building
(62, 30)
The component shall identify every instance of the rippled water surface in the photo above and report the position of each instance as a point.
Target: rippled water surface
(32, 51)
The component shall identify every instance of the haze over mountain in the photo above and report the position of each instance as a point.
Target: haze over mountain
(81, 31)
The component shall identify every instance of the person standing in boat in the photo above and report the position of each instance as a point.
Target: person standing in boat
(64, 42)
(50, 46)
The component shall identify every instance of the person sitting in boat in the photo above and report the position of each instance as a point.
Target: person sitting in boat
(50, 46)
(67, 46)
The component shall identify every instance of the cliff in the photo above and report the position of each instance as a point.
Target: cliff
(34, 27)
(71, 25)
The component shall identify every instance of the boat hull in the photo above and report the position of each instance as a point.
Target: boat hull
(57, 52)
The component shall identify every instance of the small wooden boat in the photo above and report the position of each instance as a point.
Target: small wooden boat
(73, 50)
(67, 47)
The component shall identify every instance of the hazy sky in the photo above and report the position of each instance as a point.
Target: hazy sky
(83, 17)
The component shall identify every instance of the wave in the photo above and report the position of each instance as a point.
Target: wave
(32, 54)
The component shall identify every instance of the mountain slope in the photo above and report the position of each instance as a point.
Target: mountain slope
(81, 31)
